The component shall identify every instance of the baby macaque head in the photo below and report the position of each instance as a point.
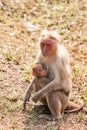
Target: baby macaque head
(39, 70)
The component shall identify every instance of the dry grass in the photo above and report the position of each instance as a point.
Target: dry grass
(21, 23)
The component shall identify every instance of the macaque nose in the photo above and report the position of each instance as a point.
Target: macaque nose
(44, 48)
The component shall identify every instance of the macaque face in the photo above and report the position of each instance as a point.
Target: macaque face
(48, 47)
(48, 43)
(39, 70)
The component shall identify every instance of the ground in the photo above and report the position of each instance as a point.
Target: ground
(21, 22)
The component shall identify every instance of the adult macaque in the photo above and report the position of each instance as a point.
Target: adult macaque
(56, 59)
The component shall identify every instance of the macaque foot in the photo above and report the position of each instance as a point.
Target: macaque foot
(42, 108)
(49, 117)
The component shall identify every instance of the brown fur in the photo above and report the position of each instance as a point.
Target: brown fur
(57, 91)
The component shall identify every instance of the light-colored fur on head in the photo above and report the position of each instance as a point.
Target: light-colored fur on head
(52, 34)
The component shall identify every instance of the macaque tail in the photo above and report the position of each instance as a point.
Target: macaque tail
(74, 107)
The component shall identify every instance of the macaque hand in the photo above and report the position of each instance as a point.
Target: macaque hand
(35, 98)
(27, 97)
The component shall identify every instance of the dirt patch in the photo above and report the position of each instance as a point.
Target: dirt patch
(20, 25)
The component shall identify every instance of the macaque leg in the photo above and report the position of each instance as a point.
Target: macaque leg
(43, 99)
(57, 102)
(28, 94)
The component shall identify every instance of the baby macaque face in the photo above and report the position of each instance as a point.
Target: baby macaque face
(39, 70)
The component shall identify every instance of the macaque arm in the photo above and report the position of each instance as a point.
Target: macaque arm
(29, 89)
(48, 88)
(28, 93)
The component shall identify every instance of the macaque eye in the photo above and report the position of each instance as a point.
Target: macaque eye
(43, 68)
(43, 44)
(47, 45)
